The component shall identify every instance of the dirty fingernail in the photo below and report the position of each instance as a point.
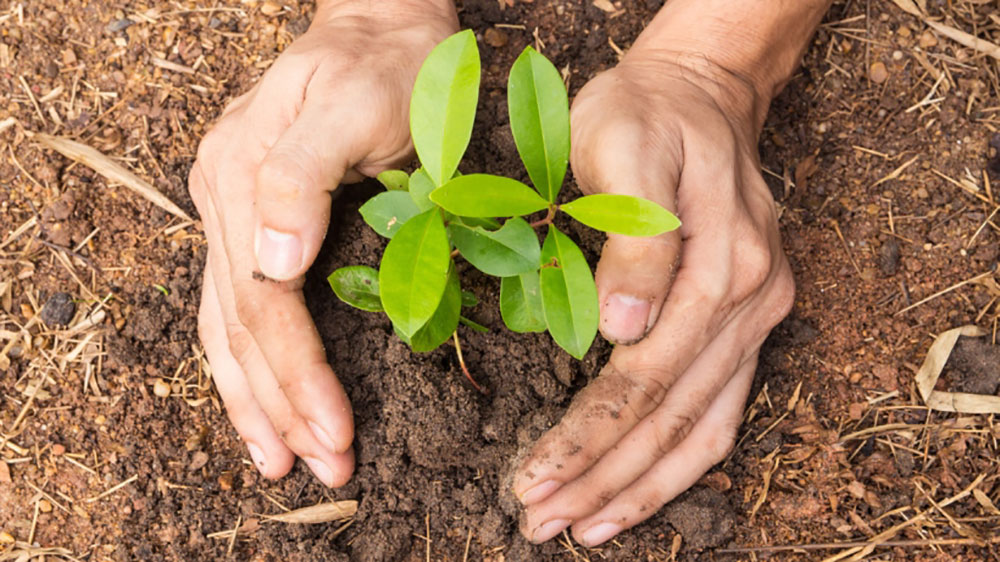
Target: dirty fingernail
(323, 437)
(279, 254)
(624, 318)
(320, 469)
(539, 492)
(549, 529)
(600, 533)
(259, 460)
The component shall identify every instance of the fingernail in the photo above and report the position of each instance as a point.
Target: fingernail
(323, 437)
(539, 492)
(600, 533)
(259, 460)
(625, 318)
(279, 254)
(320, 469)
(548, 530)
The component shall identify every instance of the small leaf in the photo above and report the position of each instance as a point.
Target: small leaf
(521, 303)
(439, 328)
(443, 104)
(485, 222)
(512, 250)
(539, 119)
(414, 271)
(469, 299)
(394, 180)
(622, 214)
(474, 325)
(569, 296)
(388, 211)
(483, 195)
(357, 285)
(421, 185)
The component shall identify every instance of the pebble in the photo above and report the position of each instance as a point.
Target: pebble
(58, 310)
(888, 260)
(927, 40)
(495, 37)
(161, 388)
(270, 8)
(878, 72)
(44, 506)
(226, 480)
(58, 450)
(119, 25)
(198, 460)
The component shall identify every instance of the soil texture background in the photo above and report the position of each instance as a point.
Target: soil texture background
(114, 445)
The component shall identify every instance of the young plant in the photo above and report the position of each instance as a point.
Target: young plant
(437, 214)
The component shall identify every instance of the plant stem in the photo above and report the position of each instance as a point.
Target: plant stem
(461, 363)
(548, 217)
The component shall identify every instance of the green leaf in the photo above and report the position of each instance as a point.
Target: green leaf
(394, 180)
(539, 118)
(439, 328)
(512, 250)
(622, 214)
(357, 285)
(521, 303)
(443, 104)
(421, 185)
(485, 222)
(388, 211)
(472, 324)
(569, 296)
(469, 299)
(414, 271)
(484, 195)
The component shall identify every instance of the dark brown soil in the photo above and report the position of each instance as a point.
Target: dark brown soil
(432, 452)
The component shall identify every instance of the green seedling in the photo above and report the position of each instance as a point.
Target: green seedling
(436, 214)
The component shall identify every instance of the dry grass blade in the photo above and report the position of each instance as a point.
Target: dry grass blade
(909, 7)
(929, 372)
(110, 169)
(319, 513)
(23, 552)
(967, 39)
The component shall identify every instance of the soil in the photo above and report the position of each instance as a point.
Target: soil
(864, 240)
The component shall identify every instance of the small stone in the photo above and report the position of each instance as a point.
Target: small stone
(161, 388)
(897, 55)
(495, 37)
(198, 460)
(4, 473)
(904, 31)
(58, 450)
(44, 506)
(888, 257)
(878, 72)
(119, 25)
(69, 56)
(226, 480)
(270, 8)
(857, 410)
(927, 40)
(58, 310)
(921, 193)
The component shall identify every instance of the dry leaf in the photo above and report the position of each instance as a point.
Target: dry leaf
(110, 169)
(929, 372)
(319, 513)
(969, 40)
(909, 7)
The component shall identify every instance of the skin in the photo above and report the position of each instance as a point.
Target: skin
(676, 121)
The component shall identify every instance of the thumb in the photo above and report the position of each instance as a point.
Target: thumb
(292, 192)
(633, 274)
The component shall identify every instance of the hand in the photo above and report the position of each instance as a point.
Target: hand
(332, 108)
(666, 408)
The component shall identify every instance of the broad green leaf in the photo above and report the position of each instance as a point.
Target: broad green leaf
(521, 303)
(439, 328)
(388, 211)
(469, 299)
(512, 250)
(484, 195)
(357, 285)
(474, 325)
(443, 104)
(394, 180)
(414, 271)
(569, 296)
(622, 214)
(421, 185)
(539, 118)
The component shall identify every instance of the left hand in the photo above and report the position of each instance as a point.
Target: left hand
(680, 131)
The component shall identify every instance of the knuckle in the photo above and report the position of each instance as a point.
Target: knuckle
(281, 178)
(241, 343)
(671, 428)
(783, 295)
(755, 261)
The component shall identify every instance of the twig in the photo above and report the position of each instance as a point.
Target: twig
(853, 544)
(461, 363)
(945, 291)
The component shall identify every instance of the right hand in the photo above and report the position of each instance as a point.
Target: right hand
(333, 108)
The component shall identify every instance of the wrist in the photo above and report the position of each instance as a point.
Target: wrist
(388, 10)
(741, 47)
